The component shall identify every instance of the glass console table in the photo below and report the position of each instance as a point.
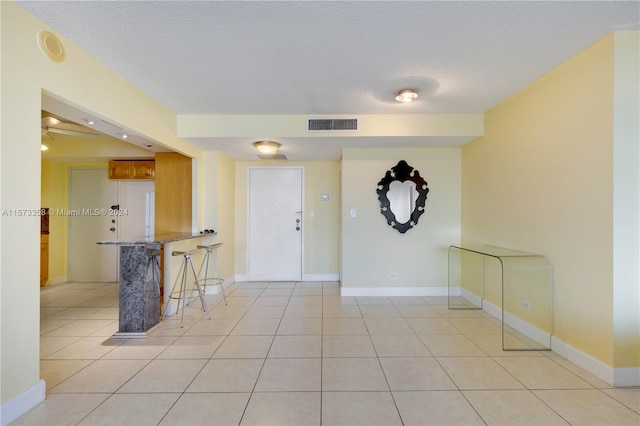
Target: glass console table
(512, 285)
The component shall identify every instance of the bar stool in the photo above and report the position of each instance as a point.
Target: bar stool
(210, 255)
(186, 293)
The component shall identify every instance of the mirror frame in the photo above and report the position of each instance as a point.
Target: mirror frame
(402, 172)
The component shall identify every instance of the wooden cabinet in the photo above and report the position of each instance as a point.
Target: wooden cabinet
(132, 169)
(44, 259)
(173, 193)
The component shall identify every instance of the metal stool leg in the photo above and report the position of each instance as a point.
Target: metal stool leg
(182, 292)
(216, 278)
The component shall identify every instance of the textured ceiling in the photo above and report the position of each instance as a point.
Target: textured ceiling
(332, 57)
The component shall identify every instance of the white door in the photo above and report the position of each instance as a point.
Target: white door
(275, 224)
(91, 196)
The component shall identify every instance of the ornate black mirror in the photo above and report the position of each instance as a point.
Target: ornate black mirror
(402, 194)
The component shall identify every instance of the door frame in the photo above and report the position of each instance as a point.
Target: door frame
(302, 215)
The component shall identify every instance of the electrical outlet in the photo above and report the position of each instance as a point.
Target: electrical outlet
(393, 276)
(525, 305)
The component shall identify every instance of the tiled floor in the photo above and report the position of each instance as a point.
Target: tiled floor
(298, 354)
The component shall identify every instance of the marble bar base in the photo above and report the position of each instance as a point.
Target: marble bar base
(139, 290)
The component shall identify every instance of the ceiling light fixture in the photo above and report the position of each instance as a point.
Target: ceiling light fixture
(406, 95)
(267, 147)
(43, 147)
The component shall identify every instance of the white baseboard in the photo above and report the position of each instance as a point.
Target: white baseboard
(11, 410)
(620, 377)
(393, 291)
(321, 277)
(532, 332)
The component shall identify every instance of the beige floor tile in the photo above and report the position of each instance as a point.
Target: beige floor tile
(280, 292)
(359, 408)
(451, 345)
(265, 312)
(512, 408)
(205, 409)
(580, 372)
(303, 312)
(407, 300)
(62, 409)
(436, 300)
(435, 408)
(106, 331)
(343, 326)
(444, 310)
(352, 374)
(213, 327)
(341, 311)
(373, 300)
(347, 346)
(138, 410)
(290, 326)
(227, 375)
(303, 291)
(227, 312)
(192, 347)
(307, 346)
(244, 347)
(164, 375)
(79, 327)
(256, 327)
(388, 326)
(54, 372)
(111, 312)
(295, 374)
(418, 311)
(76, 313)
(101, 376)
(415, 374)
(399, 345)
(491, 344)
(541, 373)
(283, 408)
(588, 407)
(305, 301)
(240, 302)
(627, 396)
(337, 300)
(272, 300)
(478, 373)
(380, 311)
(148, 348)
(48, 325)
(475, 325)
(432, 326)
(281, 284)
(245, 292)
(167, 328)
(52, 344)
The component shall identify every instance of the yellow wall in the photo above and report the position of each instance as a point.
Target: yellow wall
(541, 180)
(218, 194)
(370, 248)
(81, 81)
(321, 233)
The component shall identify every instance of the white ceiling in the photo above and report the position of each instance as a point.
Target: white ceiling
(331, 57)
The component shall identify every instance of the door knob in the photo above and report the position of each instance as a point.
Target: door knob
(112, 229)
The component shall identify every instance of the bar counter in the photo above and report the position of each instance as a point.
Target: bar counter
(140, 279)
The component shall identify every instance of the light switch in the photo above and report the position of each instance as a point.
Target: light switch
(352, 213)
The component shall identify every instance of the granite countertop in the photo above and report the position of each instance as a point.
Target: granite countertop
(155, 239)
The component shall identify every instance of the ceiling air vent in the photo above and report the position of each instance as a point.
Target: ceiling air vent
(331, 124)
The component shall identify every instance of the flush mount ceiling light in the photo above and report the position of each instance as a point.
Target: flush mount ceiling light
(406, 95)
(267, 147)
(43, 147)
